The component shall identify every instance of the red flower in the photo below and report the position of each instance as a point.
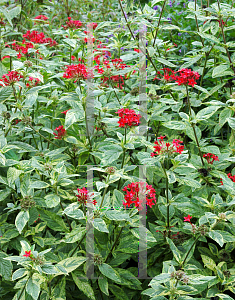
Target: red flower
(27, 253)
(94, 25)
(32, 82)
(137, 189)
(84, 197)
(186, 77)
(162, 147)
(17, 121)
(73, 58)
(13, 77)
(187, 219)
(128, 117)
(7, 56)
(65, 112)
(137, 50)
(39, 38)
(231, 177)
(61, 132)
(76, 72)
(89, 39)
(208, 157)
(41, 17)
(168, 74)
(73, 24)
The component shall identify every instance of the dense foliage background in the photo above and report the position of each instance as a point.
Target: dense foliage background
(62, 179)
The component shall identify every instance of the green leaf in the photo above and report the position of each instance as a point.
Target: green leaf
(166, 62)
(117, 215)
(72, 116)
(191, 61)
(75, 235)
(208, 262)
(110, 156)
(39, 185)
(100, 225)
(118, 199)
(127, 278)
(49, 269)
(162, 278)
(211, 149)
(207, 112)
(52, 200)
(216, 236)
(103, 284)
(74, 212)
(109, 272)
(220, 71)
(21, 220)
(174, 250)
(209, 37)
(213, 90)
(177, 125)
(53, 221)
(82, 283)
(118, 292)
(190, 132)
(71, 263)
(33, 288)
(224, 297)
(23, 146)
(31, 99)
(12, 175)
(19, 273)
(5, 267)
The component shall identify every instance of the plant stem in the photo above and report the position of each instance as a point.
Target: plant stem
(123, 158)
(114, 244)
(167, 199)
(159, 22)
(193, 126)
(105, 190)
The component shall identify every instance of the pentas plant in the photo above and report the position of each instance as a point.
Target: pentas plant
(163, 148)
(53, 140)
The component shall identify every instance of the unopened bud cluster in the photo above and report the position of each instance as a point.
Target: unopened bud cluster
(202, 230)
(38, 260)
(180, 275)
(98, 259)
(110, 170)
(27, 120)
(222, 216)
(27, 202)
(6, 115)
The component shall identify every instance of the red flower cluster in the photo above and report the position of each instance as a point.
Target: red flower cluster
(94, 25)
(208, 157)
(89, 40)
(27, 253)
(13, 77)
(65, 112)
(22, 49)
(32, 82)
(84, 197)
(128, 117)
(186, 77)
(41, 17)
(137, 50)
(61, 132)
(73, 24)
(167, 147)
(229, 176)
(187, 219)
(76, 72)
(39, 38)
(137, 189)
(168, 74)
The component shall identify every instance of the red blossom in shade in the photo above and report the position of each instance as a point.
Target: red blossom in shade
(231, 177)
(17, 121)
(210, 156)
(65, 112)
(168, 75)
(161, 147)
(136, 190)
(73, 24)
(188, 219)
(61, 132)
(76, 72)
(137, 50)
(128, 117)
(27, 253)
(84, 197)
(186, 77)
(39, 38)
(32, 82)
(41, 17)
(94, 25)
(221, 181)
(11, 77)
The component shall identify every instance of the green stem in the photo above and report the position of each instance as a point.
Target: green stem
(123, 157)
(159, 22)
(167, 199)
(193, 126)
(105, 190)
(114, 244)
